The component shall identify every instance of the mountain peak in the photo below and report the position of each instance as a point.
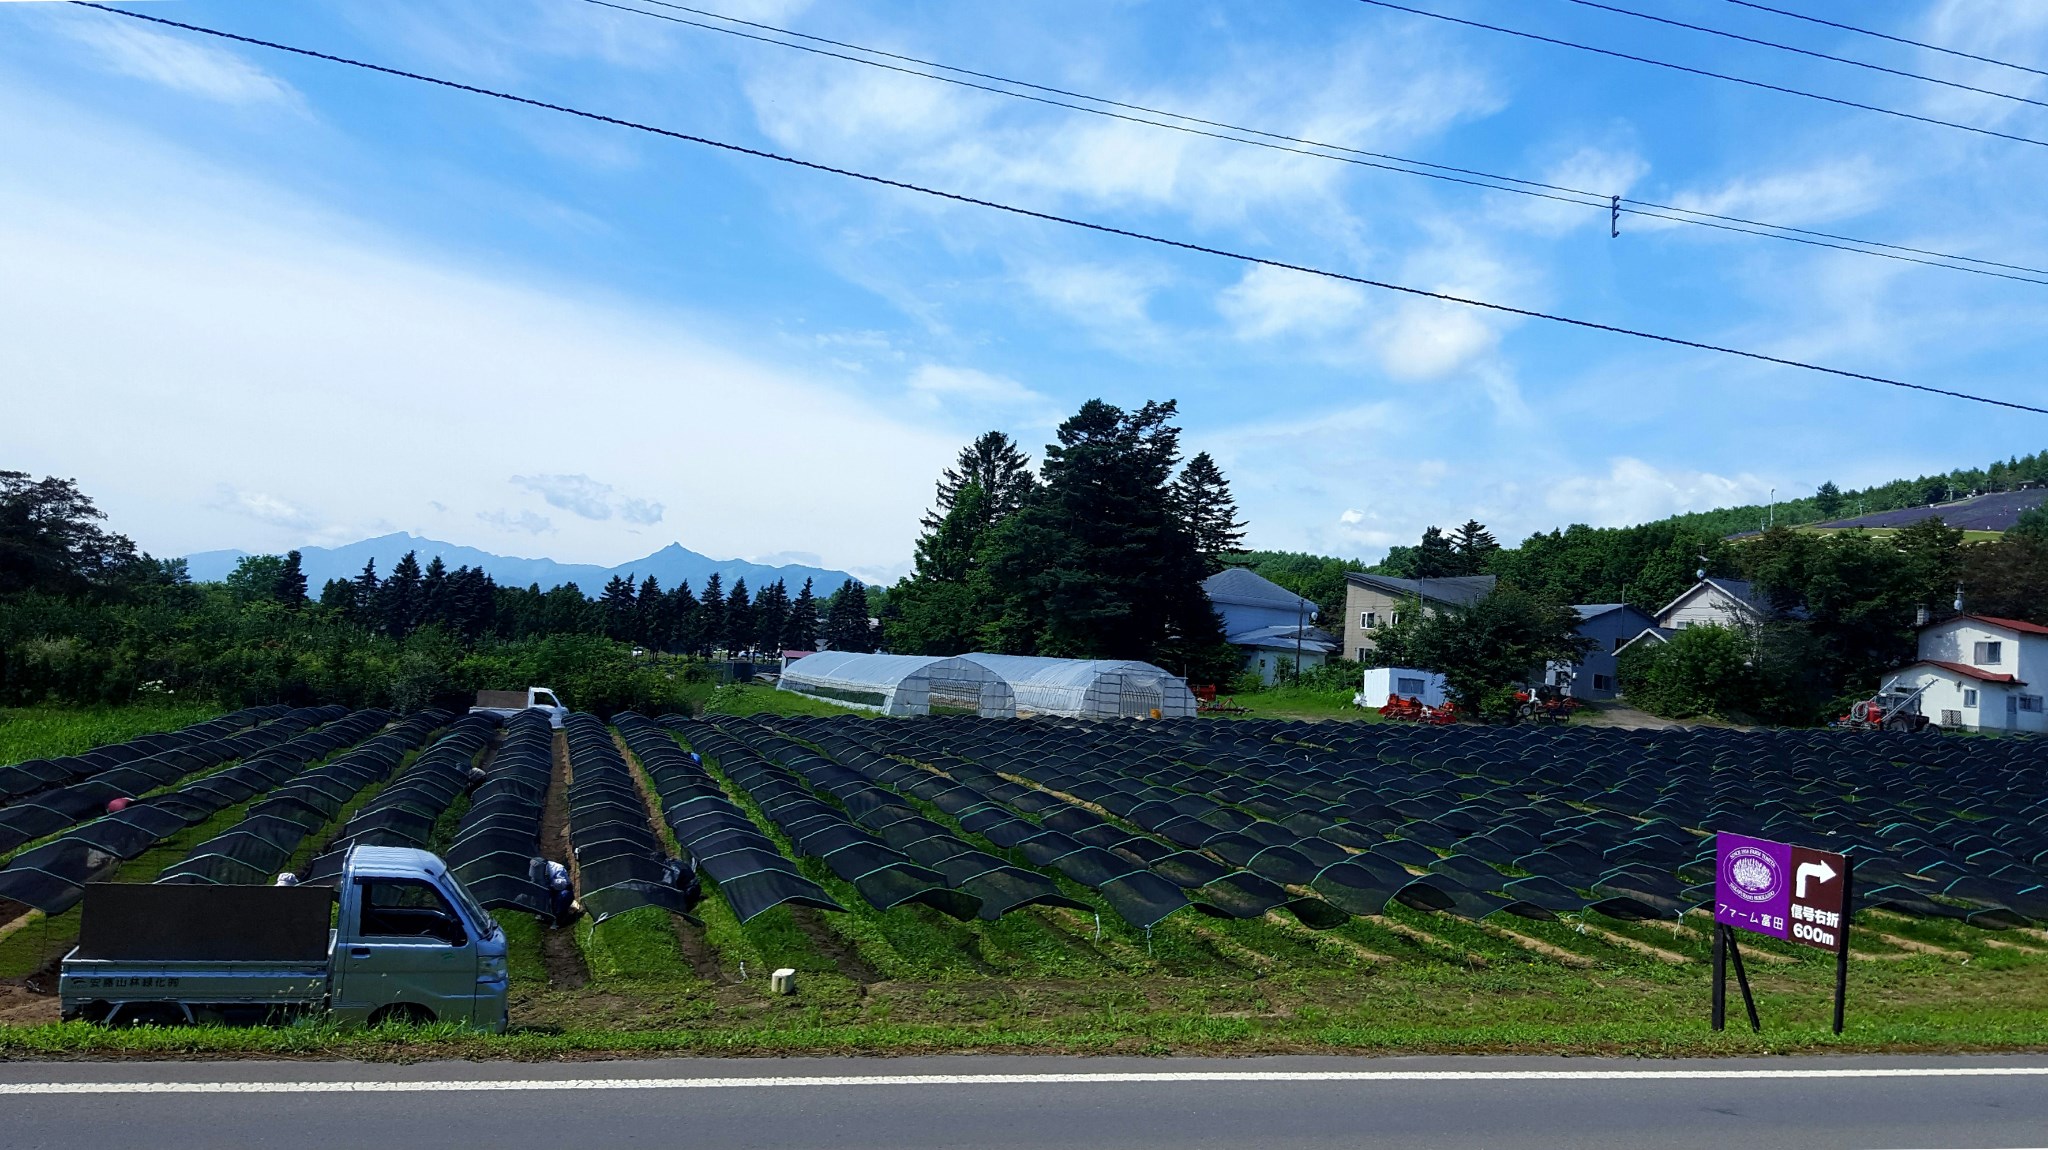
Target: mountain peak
(671, 565)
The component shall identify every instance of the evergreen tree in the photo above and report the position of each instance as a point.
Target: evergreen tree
(398, 600)
(1828, 500)
(620, 610)
(434, 594)
(363, 608)
(1434, 557)
(771, 616)
(1473, 545)
(683, 620)
(995, 464)
(739, 619)
(339, 596)
(1207, 510)
(650, 618)
(472, 603)
(1097, 563)
(800, 633)
(711, 615)
(846, 620)
(291, 582)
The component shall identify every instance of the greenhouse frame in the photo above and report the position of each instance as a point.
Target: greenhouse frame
(901, 684)
(1090, 688)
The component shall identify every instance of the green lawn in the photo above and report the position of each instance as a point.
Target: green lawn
(759, 699)
(1301, 703)
(47, 732)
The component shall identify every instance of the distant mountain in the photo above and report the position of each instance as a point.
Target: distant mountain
(671, 565)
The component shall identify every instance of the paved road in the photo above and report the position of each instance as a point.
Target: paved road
(1035, 1103)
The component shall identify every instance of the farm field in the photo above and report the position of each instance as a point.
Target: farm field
(1008, 885)
(46, 732)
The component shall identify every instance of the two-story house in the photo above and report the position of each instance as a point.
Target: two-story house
(1375, 601)
(1980, 673)
(1713, 602)
(1273, 627)
(1610, 626)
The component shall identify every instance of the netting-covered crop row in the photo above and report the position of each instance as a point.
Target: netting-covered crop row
(52, 877)
(620, 864)
(271, 830)
(51, 794)
(403, 814)
(1330, 820)
(497, 843)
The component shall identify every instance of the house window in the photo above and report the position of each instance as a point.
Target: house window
(1969, 696)
(1951, 718)
(1394, 619)
(1603, 682)
(1685, 624)
(1989, 654)
(1409, 687)
(1369, 620)
(1362, 653)
(2030, 703)
(1618, 641)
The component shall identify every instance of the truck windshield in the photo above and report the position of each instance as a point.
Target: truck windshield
(476, 914)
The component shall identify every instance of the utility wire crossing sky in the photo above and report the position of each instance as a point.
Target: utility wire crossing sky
(1073, 222)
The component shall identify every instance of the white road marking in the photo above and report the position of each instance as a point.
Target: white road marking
(373, 1086)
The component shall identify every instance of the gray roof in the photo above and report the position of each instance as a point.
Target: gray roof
(1282, 638)
(1595, 610)
(1250, 589)
(1456, 591)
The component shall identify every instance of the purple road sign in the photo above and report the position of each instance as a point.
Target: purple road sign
(1752, 884)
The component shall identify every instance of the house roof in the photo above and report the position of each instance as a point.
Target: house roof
(1655, 634)
(1282, 638)
(1966, 671)
(2020, 625)
(1247, 588)
(1741, 590)
(1455, 591)
(1595, 610)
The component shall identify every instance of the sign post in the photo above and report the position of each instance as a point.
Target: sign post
(1783, 891)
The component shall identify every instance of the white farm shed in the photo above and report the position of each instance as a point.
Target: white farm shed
(1381, 683)
(901, 684)
(1090, 688)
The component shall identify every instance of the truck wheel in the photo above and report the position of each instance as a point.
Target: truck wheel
(146, 1014)
(402, 1014)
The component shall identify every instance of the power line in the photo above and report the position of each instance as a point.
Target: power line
(1069, 221)
(1195, 125)
(1888, 36)
(1710, 75)
(1805, 52)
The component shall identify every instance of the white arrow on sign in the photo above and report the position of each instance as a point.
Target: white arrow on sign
(1820, 870)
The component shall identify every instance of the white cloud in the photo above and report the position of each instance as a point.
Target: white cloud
(1633, 491)
(1429, 340)
(265, 508)
(583, 496)
(1592, 169)
(177, 62)
(525, 520)
(933, 386)
(333, 319)
(1109, 298)
(1270, 302)
(1832, 190)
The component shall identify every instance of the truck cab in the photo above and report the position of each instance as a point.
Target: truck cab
(396, 939)
(506, 704)
(411, 944)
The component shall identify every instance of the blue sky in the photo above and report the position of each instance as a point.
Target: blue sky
(258, 301)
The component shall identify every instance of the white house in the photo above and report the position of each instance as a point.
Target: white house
(1716, 602)
(1979, 673)
(1381, 683)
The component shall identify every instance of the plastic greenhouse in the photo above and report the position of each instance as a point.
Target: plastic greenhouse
(1090, 688)
(901, 684)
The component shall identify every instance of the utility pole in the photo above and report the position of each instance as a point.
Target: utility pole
(1772, 520)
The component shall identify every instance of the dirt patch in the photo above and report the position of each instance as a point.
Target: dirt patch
(563, 959)
(830, 943)
(22, 1004)
(1538, 946)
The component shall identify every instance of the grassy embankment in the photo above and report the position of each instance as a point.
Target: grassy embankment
(47, 732)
